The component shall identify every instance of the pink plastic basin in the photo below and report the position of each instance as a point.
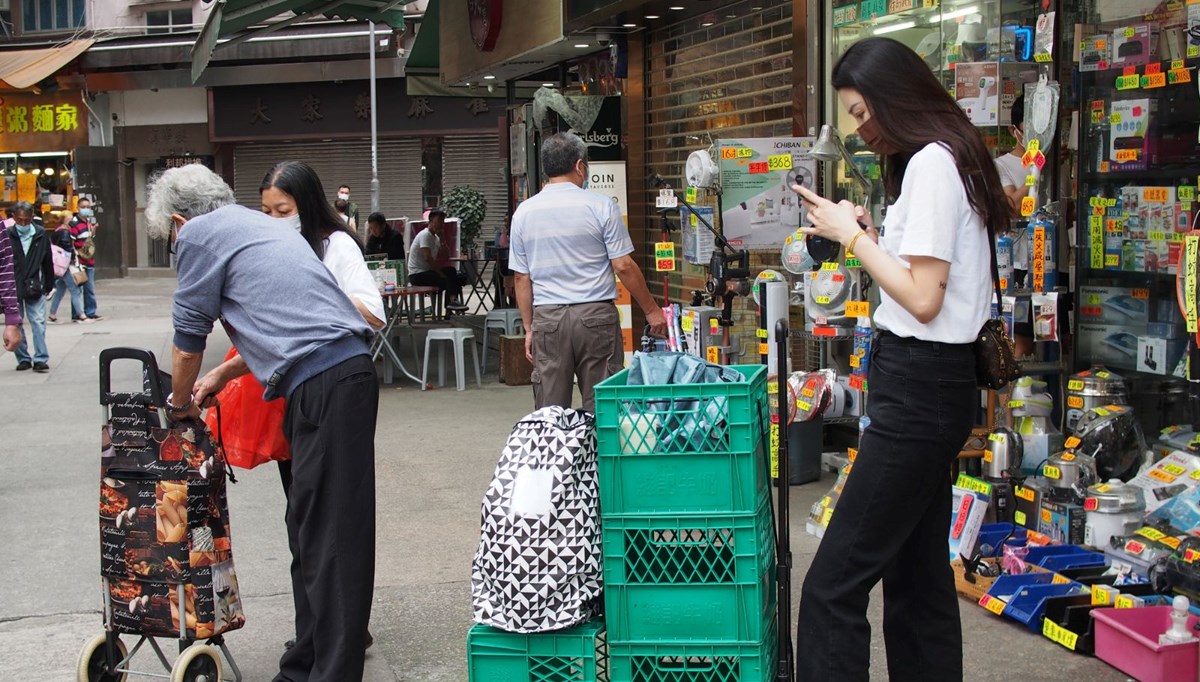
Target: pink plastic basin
(1127, 639)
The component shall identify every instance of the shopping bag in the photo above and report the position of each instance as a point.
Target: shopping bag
(249, 429)
(62, 259)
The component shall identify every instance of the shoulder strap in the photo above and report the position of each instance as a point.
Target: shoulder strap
(995, 271)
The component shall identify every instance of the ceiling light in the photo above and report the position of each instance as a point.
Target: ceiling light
(581, 45)
(973, 9)
(629, 25)
(36, 171)
(651, 16)
(731, 16)
(489, 77)
(547, 85)
(706, 24)
(676, 8)
(892, 28)
(48, 171)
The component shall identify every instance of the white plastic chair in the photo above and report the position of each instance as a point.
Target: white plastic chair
(458, 337)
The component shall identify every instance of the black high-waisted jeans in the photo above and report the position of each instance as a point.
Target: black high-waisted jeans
(892, 523)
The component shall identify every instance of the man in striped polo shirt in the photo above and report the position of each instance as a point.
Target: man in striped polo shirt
(566, 245)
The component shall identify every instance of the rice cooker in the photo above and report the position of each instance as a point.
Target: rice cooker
(1001, 463)
(1069, 475)
(1093, 388)
(1114, 509)
(1112, 436)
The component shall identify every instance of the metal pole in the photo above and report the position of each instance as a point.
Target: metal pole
(783, 543)
(374, 129)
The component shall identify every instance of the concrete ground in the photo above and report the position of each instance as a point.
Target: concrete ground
(436, 452)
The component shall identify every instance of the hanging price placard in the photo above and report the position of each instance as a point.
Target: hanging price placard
(779, 162)
(1191, 247)
(1039, 258)
(1028, 204)
(664, 257)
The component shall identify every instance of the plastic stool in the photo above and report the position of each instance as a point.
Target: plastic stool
(458, 337)
(507, 319)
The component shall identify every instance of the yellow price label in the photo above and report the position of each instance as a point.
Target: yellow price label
(1058, 634)
(1162, 476)
(1130, 32)
(1067, 456)
(1101, 595)
(1195, 475)
(761, 333)
(858, 308)
(1042, 58)
(1171, 542)
(1030, 180)
(987, 456)
(1112, 260)
(1075, 402)
(1193, 51)
(1059, 579)
(807, 392)
(1124, 601)
(1151, 534)
(828, 514)
(1186, 193)
(829, 267)
(1075, 384)
(664, 256)
(690, 195)
(993, 604)
(851, 454)
(1177, 64)
(745, 153)
(778, 162)
(1019, 517)
(1026, 494)
(1115, 118)
(855, 362)
(1174, 469)
(1051, 472)
(713, 355)
(688, 323)
(1034, 146)
(1028, 204)
(804, 405)
(764, 348)
(823, 300)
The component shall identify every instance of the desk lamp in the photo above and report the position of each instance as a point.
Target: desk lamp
(829, 147)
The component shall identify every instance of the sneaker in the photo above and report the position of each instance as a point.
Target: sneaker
(24, 365)
(95, 317)
(41, 367)
(83, 320)
(52, 318)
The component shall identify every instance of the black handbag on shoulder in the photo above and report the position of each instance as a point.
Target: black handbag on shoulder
(995, 356)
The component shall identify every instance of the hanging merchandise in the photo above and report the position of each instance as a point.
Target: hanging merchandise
(795, 257)
(828, 291)
(701, 170)
(1090, 389)
(1043, 42)
(1041, 112)
(1004, 261)
(1043, 261)
(1045, 317)
(814, 392)
(1112, 436)
(1113, 509)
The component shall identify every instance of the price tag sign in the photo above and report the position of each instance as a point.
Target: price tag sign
(1096, 245)
(1143, 294)
(778, 162)
(774, 450)
(757, 167)
(1075, 385)
(1155, 195)
(855, 362)
(993, 604)
(1074, 402)
(1186, 193)
(1073, 441)
(1058, 634)
(745, 153)
(1154, 80)
(713, 355)
(1177, 64)
(1097, 117)
(1030, 180)
(1042, 58)
(1131, 82)
(666, 199)
(1177, 76)
(858, 309)
(1028, 204)
(691, 197)
(664, 257)
(1034, 146)
(1051, 472)
(1127, 155)
(764, 348)
(688, 324)
(1112, 260)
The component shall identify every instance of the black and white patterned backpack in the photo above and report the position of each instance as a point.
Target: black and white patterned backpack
(538, 566)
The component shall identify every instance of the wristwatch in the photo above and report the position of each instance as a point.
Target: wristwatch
(173, 408)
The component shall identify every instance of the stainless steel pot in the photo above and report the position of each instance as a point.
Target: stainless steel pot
(1070, 474)
(1092, 388)
(1005, 451)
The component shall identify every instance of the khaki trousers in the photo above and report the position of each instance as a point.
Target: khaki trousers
(574, 342)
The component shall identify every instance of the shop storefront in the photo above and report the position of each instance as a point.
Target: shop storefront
(38, 134)
(327, 126)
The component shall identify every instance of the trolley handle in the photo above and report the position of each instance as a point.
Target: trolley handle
(153, 376)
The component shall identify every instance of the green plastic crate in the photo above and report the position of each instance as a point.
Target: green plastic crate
(670, 662)
(690, 578)
(578, 654)
(689, 448)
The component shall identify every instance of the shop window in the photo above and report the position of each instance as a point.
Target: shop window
(168, 21)
(6, 26)
(53, 15)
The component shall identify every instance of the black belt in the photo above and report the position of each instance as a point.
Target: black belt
(912, 341)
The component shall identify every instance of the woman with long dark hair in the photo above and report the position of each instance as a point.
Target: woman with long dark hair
(932, 263)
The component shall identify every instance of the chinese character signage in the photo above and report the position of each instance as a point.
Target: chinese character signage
(42, 123)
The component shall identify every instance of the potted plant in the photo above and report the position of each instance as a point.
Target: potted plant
(470, 207)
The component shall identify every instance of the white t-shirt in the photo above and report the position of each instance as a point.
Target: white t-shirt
(933, 218)
(345, 261)
(416, 261)
(1012, 174)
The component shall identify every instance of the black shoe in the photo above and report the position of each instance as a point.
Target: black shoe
(41, 367)
(370, 640)
(95, 317)
(24, 365)
(289, 644)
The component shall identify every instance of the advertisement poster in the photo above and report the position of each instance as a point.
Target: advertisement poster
(760, 209)
(607, 178)
(977, 89)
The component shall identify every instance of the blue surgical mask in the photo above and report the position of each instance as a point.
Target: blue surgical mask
(86, 212)
(292, 221)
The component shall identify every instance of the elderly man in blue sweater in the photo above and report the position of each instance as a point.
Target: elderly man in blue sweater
(304, 341)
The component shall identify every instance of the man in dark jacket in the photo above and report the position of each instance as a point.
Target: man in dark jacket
(33, 265)
(383, 239)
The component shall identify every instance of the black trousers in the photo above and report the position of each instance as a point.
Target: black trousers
(445, 279)
(330, 426)
(892, 523)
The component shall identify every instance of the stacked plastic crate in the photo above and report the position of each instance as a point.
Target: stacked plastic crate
(689, 546)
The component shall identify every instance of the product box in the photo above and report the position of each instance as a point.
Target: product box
(1129, 146)
(1133, 45)
(1094, 53)
(1158, 355)
(1064, 522)
(1113, 306)
(1173, 475)
(1107, 344)
(1029, 502)
(968, 511)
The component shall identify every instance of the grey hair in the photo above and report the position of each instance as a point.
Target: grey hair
(560, 152)
(21, 206)
(190, 191)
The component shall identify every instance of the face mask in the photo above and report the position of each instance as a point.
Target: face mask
(292, 221)
(86, 212)
(870, 133)
(343, 196)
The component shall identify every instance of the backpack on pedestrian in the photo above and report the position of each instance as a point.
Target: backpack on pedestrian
(538, 565)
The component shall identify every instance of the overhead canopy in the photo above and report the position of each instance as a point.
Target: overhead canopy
(231, 21)
(426, 47)
(24, 69)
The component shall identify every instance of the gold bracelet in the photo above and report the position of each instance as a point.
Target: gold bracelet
(850, 246)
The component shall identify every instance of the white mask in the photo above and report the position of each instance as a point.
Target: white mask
(343, 196)
(292, 221)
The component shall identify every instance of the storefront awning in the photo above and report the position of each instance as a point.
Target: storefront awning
(230, 21)
(426, 45)
(24, 69)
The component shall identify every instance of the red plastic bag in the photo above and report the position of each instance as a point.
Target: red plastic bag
(250, 429)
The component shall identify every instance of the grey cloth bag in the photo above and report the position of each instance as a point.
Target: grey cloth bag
(538, 565)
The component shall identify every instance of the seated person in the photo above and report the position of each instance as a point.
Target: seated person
(383, 239)
(427, 248)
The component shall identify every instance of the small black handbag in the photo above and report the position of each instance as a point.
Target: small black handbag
(995, 357)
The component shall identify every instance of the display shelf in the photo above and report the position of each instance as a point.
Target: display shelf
(1186, 174)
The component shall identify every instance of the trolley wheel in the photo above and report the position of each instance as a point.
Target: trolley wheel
(197, 663)
(93, 664)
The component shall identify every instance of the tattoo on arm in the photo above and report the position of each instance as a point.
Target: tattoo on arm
(942, 285)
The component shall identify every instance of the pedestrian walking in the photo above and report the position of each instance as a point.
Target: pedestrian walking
(565, 247)
(60, 236)
(33, 265)
(83, 230)
(931, 260)
(232, 263)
